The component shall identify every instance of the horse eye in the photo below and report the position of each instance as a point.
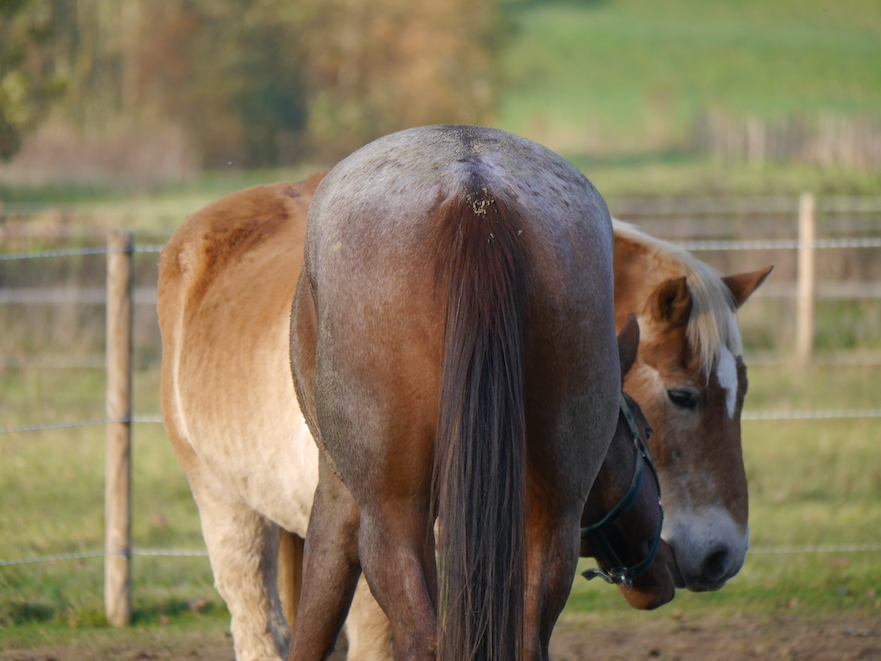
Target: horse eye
(648, 432)
(684, 399)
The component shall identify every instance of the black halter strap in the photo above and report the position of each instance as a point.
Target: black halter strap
(618, 573)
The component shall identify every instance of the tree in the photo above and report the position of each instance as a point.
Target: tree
(375, 67)
(28, 79)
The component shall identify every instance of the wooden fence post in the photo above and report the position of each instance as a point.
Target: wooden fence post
(807, 277)
(117, 541)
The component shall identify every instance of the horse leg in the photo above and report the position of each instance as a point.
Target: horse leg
(397, 554)
(552, 559)
(243, 549)
(367, 628)
(330, 568)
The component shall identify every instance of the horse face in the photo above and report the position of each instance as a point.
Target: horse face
(632, 535)
(694, 410)
(697, 450)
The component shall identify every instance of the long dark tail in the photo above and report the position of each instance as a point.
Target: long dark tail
(481, 448)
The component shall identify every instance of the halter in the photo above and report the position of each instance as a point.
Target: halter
(618, 573)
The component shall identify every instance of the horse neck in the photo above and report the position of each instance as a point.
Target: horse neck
(614, 476)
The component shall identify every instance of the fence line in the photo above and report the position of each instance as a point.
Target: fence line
(120, 297)
(203, 553)
(808, 414)
(151, 553)
(699, 245)
(777, 244)
(148, 419)
(74, 252)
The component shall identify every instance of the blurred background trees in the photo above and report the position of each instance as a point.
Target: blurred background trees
(28, 82)
(247, 82)
(154, 90)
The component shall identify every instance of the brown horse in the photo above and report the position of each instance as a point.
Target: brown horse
(465, 370)
(252, 464)
(224, 279)
(622, 518)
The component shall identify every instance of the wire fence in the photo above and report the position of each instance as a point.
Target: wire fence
(203, 553)
(147, 296)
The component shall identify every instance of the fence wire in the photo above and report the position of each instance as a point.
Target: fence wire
(777, 244)
(82, 423)
(76, 252)
(701, 245)
(154, 553)
(203, 553)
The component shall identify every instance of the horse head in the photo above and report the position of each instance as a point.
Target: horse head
(690, 380)
(622, 518)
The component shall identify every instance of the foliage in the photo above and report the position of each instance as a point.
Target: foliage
(395, 64)
(28, 82)
(260, 83)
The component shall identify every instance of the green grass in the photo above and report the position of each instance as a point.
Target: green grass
(678, 174)
(630, 75)
(811, 483)
(52, 490)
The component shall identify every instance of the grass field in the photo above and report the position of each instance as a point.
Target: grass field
(811, 483)
(630, 75)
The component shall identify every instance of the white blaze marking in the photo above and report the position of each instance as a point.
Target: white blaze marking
(726, 372)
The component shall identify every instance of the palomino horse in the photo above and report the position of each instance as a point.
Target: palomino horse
(690, 380)
(252, 464)
(464, 369)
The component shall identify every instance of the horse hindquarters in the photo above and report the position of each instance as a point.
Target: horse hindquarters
(424, 275)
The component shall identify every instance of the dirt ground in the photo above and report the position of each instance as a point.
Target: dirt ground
(685, 638)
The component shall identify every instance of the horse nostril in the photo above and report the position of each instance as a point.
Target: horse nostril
(715, 565)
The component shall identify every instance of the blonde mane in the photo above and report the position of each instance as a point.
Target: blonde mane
(712, 325)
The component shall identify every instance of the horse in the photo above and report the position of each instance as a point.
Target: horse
(250, 243)
(454, 355)
(690, 380)
(228, 266)
(621, 524)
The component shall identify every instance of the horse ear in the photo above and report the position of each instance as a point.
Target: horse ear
(743, 285)
(628, 344)
(672, 302)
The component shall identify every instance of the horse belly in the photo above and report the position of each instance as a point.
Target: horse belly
(250, 434)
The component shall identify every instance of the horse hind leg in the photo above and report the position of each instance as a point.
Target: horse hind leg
(397, 553)
(367, 628)
(243, 549)
(330, 569)
(551, 563)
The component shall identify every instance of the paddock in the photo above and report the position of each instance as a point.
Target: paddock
(809, 422)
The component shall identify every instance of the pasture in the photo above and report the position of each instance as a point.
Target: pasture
(814, 484)
(815, 500)
(630, 77)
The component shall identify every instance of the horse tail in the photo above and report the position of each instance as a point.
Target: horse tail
(479, 468)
